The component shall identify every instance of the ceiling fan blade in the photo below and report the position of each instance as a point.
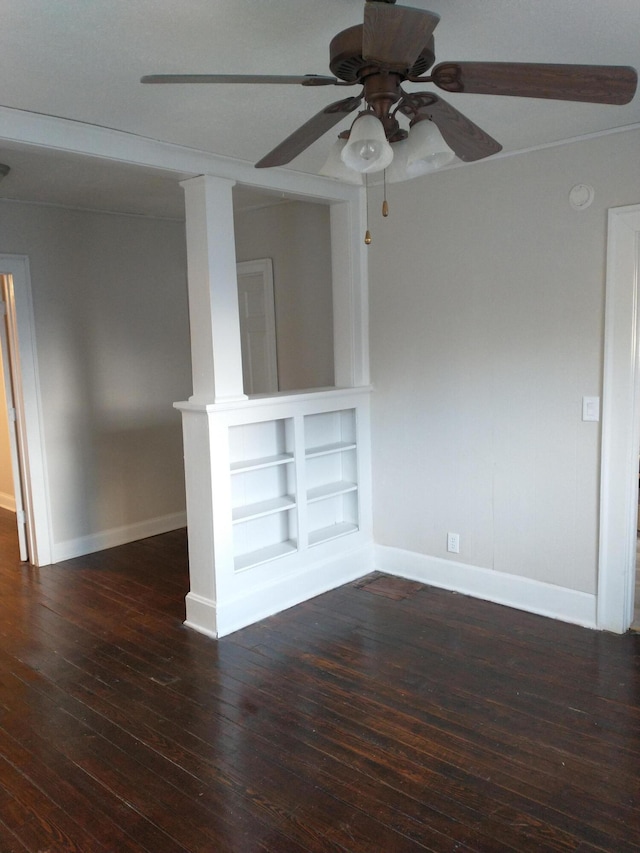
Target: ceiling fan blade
(307, 134)
(466, 139)
(598, 84)
(304, 80)
(394, 36)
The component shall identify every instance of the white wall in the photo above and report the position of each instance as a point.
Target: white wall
(296, 236)
(487, 305)
(112, 338)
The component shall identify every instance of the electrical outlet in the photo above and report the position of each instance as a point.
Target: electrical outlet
(453, 543)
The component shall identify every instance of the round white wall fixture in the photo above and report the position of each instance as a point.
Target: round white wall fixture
(581, 196)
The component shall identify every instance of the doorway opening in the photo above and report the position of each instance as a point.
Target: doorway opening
(7, 495)
(11, 466)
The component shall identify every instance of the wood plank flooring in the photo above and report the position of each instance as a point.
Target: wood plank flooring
(384, 716)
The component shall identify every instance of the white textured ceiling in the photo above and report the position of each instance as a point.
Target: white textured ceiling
(83, 59)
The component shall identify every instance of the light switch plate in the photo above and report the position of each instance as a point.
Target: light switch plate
(591, 408)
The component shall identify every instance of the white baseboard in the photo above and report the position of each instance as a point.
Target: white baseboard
(222, 618)
(521, 593)
(7, 501)
(117, 536)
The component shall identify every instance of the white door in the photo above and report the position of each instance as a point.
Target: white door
(13, 429)
(257, 326)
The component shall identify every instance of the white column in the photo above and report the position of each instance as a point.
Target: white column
(350, 294)
(217, 377)
(213, 291)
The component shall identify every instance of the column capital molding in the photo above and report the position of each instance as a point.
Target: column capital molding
(207, 180)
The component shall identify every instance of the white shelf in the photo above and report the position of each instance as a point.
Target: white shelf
(330, 490)
(334, 531)
(264, 555)
(326, 449)
(246, 512)
(262, 462)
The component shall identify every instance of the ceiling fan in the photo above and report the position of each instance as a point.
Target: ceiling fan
(395, 45)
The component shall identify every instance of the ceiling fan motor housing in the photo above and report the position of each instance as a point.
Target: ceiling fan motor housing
(348, 64)
(381, 83)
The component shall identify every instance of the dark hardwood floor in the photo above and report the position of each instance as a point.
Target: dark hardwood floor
(384, 716)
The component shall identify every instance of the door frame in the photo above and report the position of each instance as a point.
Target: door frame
(13, 428)
(264, 268)
(620, 423)
(27, 401)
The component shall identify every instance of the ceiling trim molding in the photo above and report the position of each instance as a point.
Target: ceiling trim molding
(569, 141)
(502, 155)
(51, 132)
(97, 210)
(61, 134)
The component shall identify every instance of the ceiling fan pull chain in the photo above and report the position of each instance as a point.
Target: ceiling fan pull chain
(367, 233)
(385, 203)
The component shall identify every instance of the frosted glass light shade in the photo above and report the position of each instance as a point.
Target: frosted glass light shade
(367, 149)
(335, 168)
(400, 170)
(426, 144)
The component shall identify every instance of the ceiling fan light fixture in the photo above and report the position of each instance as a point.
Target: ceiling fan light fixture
(397, 171)
(426, 145)
(335, 168)
(400, 170)
(367, 149)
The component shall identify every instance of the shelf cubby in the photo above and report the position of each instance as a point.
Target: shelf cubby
(331, 475)
(259, 509)
(243, 465)
(263, 488)
(333, 517)
(264, 538)
(330, 490)
(328, 449)
(329, 432)
(264, 555)
(333, 531)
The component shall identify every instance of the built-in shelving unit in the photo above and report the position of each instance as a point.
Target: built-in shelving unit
(281, 489)
(294, 484)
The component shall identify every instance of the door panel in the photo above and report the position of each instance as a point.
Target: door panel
(257, 326)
